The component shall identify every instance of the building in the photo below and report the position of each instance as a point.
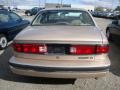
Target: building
(54, 5)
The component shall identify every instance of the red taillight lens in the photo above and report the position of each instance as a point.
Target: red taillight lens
(88, 49)
(102, 49)
(17, 47)
(82, 49)
(30, 48)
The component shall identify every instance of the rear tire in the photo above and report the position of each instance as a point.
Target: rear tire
(108, 35)
(3, 42)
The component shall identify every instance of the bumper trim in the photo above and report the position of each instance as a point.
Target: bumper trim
(55, 69)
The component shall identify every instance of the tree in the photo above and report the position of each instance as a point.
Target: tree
(102, 9)
(99, 9)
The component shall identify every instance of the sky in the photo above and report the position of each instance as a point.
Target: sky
(74, 3)
(105, 3)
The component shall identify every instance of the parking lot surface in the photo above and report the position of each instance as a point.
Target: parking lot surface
(9, 81)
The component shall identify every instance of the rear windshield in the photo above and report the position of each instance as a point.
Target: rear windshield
(63, 17)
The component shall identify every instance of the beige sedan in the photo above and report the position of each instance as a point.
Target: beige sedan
(61, 43)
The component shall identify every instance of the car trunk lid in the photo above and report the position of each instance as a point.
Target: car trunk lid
(61, 34)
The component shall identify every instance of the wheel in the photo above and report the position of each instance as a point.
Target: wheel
(3, 42)
(108, 35)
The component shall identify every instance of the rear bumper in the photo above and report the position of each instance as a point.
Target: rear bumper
(56, 72)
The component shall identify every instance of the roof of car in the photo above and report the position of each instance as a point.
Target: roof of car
(65, 9)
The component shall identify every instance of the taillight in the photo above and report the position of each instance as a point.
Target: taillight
(70, 49)
(30, 48)
(88, 49)
(17, 47)
(102, 49)
(82, 49)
